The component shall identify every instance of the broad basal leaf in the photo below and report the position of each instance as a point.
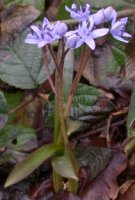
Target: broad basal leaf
(28, 165)
(15, 19)
(68, 74)
(21, 64)
(65, 165)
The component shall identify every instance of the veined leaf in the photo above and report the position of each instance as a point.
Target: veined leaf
(28, 165)
(94, 157)
(21, 64)
(18, 137)
(84, 96)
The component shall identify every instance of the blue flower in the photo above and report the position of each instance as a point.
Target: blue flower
(85, 34)
(104, 15)
(46, 34)
(79, 13)
(118, 30)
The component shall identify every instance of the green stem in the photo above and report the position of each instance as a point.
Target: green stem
(61, 111)
(57, 182)
(56, 113)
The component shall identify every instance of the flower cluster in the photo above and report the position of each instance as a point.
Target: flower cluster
(91, 26)
(46, 34)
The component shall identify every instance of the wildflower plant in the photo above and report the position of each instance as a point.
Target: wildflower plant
(90, 28)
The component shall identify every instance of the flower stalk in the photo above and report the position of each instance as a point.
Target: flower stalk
(45, 61)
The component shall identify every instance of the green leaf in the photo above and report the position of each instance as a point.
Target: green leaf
(21, 64)
(68, 73)
(62, 14)
(3, 110)
(131, 133)
(3, 120)
(28, 165)
(97, 4)
(13, 100)
(84, 96)
(72, 125)
(37, 4)
(94, 157)
(118, 51)
(3, 103)
(18, 137)
(65, 165)
(131, 112)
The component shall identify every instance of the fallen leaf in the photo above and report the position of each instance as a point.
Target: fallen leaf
(66, 196)
(96, 158)
(105, 186)
(127, 191)
(15, 19)
(130, 59)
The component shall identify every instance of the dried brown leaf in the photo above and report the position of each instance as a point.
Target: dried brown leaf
(105, 186)
(15, 19)
(66, 196)
(128, 191)
(101, 64)
(130, 59)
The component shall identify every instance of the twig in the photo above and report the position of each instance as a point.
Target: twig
(121, 112)
(108, 139)
(21, 105)
(98, 131)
